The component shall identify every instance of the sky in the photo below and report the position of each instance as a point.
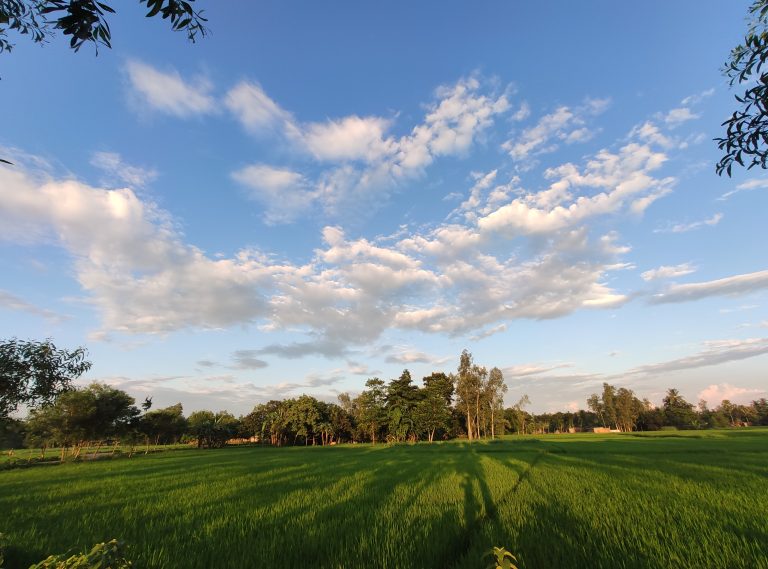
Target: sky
(319, 193)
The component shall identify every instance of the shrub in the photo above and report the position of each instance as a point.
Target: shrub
(102, 556)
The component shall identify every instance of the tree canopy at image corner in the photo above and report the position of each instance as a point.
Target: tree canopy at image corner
(85, 21)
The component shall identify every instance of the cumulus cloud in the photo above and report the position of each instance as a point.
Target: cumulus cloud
(620, 179)
(732, 286)
(284, 193)
(117, 170)
(257, 112)
(363, 161)
(458, 277)
(718, 392)
(139, 273)
(686, 227)
(679, 115)
(564, 124)
(668, 272)
(167, 92)
(408, 356)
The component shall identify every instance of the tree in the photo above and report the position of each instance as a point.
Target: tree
(212, 430)
(97, 413)
(746, 138)
(433, 411)
(468, 389)
(85, 21)
(678, 412)
(34, 373)
(164, 425)
(495, 390)
(371, 404)
(519, 415)
(401, 400)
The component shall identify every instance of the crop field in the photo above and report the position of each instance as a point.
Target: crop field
(696, 499)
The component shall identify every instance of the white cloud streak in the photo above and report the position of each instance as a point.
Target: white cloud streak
(167, 92)
(730, 286)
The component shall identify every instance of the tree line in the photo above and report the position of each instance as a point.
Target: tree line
(468, 403)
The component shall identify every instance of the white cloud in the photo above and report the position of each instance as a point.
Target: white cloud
(718, 392)
(349, 138)
(409, 357)
(285, 193)
(623, 178)
(714, 352)
(650, 133)
(128, 257)
(257, 112)
(365, 162)
(118, 170)
(735, 285)
(563, 124)
(679, 115)
(685, 227)
(167, 92)
(698, 97)
(753, 184)
(668, 272)
(454, 278)
(10, 301)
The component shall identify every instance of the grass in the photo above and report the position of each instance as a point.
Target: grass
(665, 500)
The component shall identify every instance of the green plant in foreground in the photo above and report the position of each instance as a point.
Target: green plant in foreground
(3, 543)
(503, 559)
(102, 556)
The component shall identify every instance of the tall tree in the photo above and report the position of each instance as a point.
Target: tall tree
(678, 412)
(467, 390)
(371, 402)
(495, 389)
(33, 373)
(433, 411)
(401, 400)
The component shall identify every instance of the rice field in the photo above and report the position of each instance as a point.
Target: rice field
(558, 501)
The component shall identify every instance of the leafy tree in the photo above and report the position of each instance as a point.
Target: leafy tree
(761, 411)
(495, 389)
(401, 400)
(96, 413)
(85, 21)
(371, 402)
(746, 138)
(678, 412)
(518, 416)
(212, 430)
(469, 384)
(164, 425)
(432, 413)
(34, 373)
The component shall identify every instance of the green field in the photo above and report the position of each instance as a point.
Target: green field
(560, 501)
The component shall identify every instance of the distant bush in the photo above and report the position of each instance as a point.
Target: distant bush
(668, 428)
(102, 556)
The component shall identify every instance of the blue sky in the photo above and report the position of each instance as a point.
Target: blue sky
(316, 194)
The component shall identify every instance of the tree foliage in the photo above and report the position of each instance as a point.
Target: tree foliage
(86, 21)
(33, 373)
(746, 138)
